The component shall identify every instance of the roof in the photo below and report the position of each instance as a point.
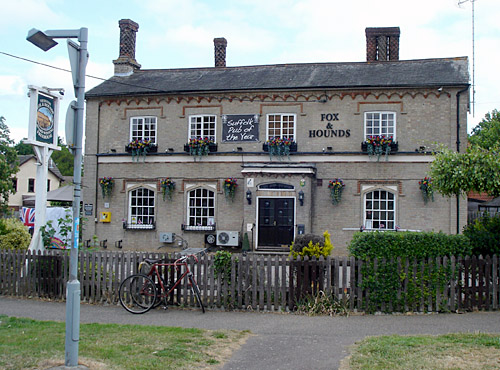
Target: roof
(409, 73)
(52, 165)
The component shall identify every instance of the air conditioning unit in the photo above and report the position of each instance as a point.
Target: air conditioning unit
(211, 239)
(228, 238)
(167, 237)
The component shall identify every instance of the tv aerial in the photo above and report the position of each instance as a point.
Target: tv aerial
(460, 4)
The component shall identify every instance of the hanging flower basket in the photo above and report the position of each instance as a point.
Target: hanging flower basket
(230, 185)
(167, 187)
(379, 145)
(336, 187)
(107, 184)
(199, 146)
(280, 147)
(140, 148)
(426, 189)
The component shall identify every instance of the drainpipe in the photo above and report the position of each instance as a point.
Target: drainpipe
(458, 150)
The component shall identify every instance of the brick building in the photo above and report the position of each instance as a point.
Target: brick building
(327, 112)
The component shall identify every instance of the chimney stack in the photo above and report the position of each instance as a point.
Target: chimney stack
(220, 44)
(382, 44)
(126, 64)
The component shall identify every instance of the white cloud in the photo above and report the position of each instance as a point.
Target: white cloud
(11, 85)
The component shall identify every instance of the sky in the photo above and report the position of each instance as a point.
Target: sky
(179, 34)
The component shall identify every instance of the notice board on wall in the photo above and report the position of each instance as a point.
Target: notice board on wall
(240, 127)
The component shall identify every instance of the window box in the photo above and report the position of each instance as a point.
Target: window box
(198, 228)
(212, 148)
(128, 226)
(394, 147)
(293, 147)
(152, 148)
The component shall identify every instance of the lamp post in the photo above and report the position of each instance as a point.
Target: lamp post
(78, 56)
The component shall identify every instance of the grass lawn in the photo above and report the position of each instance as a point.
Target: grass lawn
(449, 351)
(26, 343)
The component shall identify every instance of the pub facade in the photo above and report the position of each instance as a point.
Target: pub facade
(221, 155)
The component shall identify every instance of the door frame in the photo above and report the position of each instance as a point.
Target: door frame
(291, 196)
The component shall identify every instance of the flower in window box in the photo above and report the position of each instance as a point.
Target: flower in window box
(230, 185)
(140, 148)
(167, 187)
(427, 189)
(107, 184)
(279, 146)
(378, 145)
(336, 187)
(199, 146)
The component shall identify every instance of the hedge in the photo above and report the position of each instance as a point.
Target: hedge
(391, 244)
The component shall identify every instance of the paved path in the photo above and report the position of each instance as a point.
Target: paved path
(282, 341)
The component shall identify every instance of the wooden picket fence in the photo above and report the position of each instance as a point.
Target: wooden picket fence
(265, 282)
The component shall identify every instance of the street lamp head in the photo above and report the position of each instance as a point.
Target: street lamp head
(40, 39)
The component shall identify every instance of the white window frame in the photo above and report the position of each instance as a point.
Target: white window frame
(281, 129)
(146, 132)
(370, 223)
(382, 124)
(206, 120)
(133, 217)
(207, 214)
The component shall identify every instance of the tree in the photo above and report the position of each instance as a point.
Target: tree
(478, 169)
(23, 149)
(487, 133)
(63, 159)
(8, 164)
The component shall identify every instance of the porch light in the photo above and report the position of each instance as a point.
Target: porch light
(301, 198)
(249, 196)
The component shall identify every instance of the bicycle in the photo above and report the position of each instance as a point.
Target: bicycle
(139, 293)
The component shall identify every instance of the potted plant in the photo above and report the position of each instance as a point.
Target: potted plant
(167, 187)
(279, 147)
(140, 148)
(107, 184)
(426, 189)
(230, 185)
(378, 145)
(336, 187)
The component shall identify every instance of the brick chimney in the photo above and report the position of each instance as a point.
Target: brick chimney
(220, 44)
(126, 64)
(382, 44)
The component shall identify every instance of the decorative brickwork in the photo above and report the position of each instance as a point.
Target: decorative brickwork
(220, 45)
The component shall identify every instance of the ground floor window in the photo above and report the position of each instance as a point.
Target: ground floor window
(379, 210)
(141, 207)
(201, 207)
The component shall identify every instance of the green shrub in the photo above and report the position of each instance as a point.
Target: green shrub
(484, 235)
(408, 244)
(15, 236)
(311, 245)
(384, 281)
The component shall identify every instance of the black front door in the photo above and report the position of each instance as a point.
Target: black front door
(276, 221)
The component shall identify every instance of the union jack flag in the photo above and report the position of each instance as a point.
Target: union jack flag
(28, 216)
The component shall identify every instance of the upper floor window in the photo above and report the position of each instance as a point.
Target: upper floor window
(48, 184)
(141, 206)
(31, 185)
(201, 207)
(281, 125)
(380, 124)
(202, 126)
(379, 210)
(143, 128)
(14, 184)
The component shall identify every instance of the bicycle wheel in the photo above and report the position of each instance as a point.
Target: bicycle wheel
(196, 292)
(137, 293)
